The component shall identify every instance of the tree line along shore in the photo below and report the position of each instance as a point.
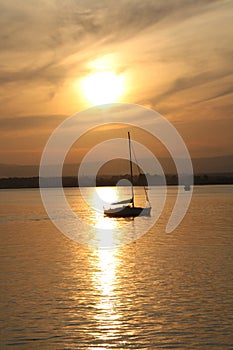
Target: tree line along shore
(141, 180)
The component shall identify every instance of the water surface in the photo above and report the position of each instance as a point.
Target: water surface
(162, 291)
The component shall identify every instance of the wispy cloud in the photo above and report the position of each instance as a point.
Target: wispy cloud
(194, 81)
(175, 54)
(36, 37)
(33, 122)
(225, 92)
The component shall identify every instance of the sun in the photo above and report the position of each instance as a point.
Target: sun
(103, 87)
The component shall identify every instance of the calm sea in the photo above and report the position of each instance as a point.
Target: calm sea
(162, 291)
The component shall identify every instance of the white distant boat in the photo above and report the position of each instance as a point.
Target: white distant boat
(129, 210)
(187, 188)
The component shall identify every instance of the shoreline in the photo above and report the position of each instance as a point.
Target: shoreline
(171, 180)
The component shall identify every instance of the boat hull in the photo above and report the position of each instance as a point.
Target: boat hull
(127, 212)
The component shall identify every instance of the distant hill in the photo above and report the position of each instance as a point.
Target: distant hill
(217, 165)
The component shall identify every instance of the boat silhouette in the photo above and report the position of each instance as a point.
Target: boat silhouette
(120, 209)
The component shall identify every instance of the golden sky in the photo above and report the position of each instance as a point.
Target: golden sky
(172, 56)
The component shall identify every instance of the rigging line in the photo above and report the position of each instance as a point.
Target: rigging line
(139, 170)
(131, 168)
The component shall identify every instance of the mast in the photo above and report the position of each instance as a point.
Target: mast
(131, 168)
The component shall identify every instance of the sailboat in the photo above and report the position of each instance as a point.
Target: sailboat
(126, 208)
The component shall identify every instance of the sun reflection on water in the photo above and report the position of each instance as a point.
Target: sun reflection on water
(105, 282)
(105, 232)
(107, 263)
(106, 229)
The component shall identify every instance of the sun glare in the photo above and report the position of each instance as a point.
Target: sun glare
(103, 87)
(107, 194)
